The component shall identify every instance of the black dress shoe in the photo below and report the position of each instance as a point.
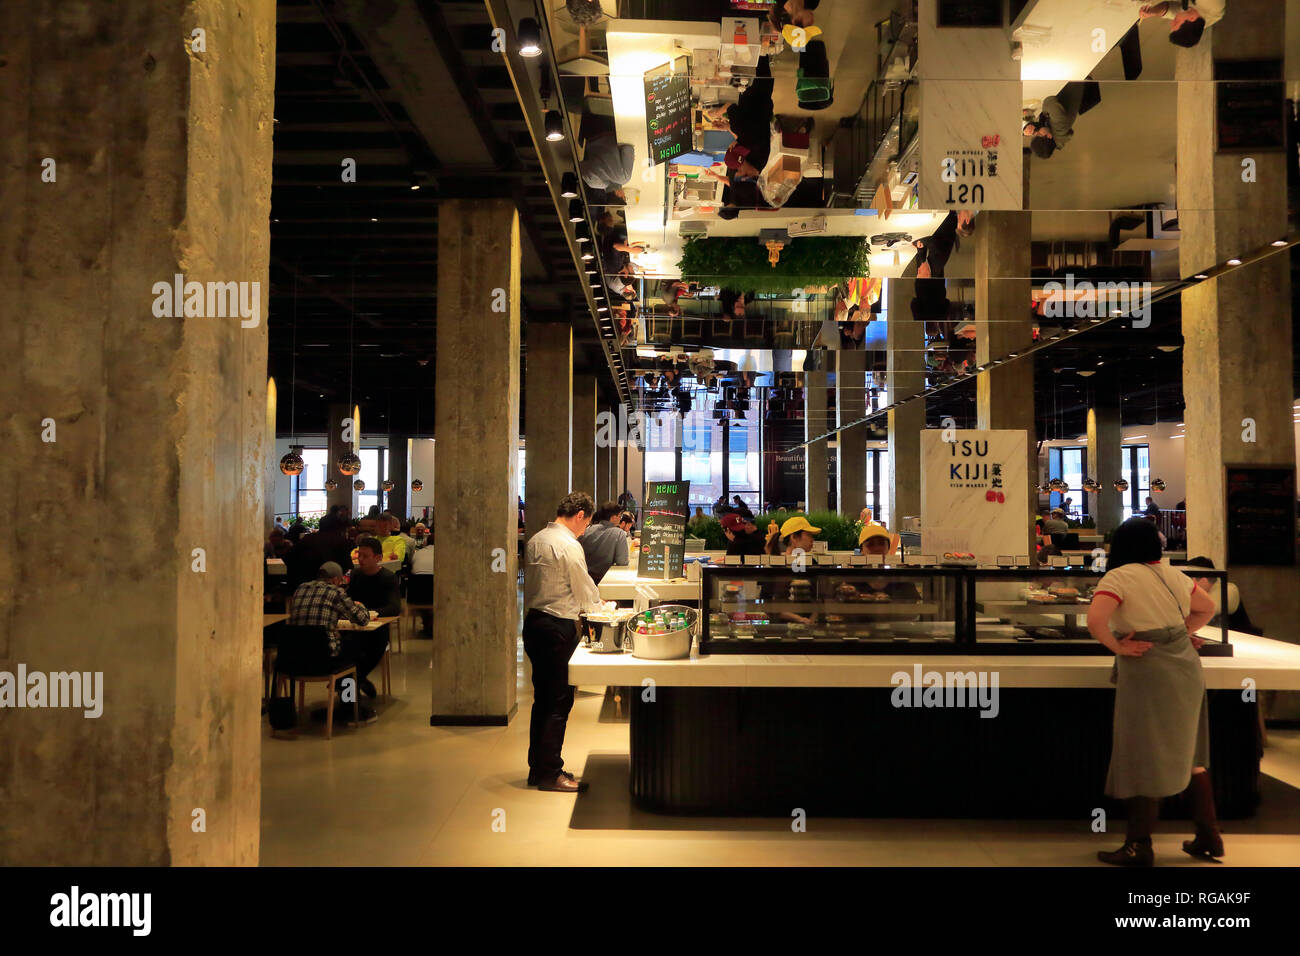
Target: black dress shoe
(564, 783)
(1205, 847)
(1132, 853)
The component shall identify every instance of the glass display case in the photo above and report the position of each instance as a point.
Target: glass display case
(904, 609)
(829, 610)
(1045, 610)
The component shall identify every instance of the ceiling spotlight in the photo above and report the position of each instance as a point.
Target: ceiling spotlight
(582, 232)
(373, 219)
(568, 185)
(415, 181)
(1200, 275)
(1278, 242)
(530, 38)
(554, 126)
(588, 254)
(1234, 262)
(1167, 348)
(602, 308)
(1087, 374)
(576, 213)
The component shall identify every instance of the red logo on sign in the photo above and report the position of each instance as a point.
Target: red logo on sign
(988, 142)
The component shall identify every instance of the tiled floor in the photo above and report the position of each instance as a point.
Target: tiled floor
(399, 792)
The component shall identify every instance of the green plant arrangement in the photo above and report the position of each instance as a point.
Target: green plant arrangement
(805, 261)
(710, 529)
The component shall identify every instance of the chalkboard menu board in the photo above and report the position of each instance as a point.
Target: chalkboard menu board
(1261, 515)
(668, 112)
(663, 529)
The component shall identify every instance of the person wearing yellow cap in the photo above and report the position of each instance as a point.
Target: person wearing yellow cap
(877, 539)
(797, 532)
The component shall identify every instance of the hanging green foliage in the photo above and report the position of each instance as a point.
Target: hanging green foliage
(742, 262)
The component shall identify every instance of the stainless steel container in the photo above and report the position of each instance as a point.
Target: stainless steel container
(664, 647)
(607, 631)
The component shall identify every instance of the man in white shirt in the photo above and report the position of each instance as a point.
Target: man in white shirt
(1187, 20)
(557, 588)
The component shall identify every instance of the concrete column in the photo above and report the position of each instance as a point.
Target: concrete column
(1004, 396)
(604, 466)
(548, 411)
(850, 405)
(475, 590)
(1237, 360)
(816, 421)
(343, 494)
(398, 498)
(112, 391)
(1105, 451)
(905, 364)
(584, 434)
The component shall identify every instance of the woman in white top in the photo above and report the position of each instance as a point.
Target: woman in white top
(1160, 732)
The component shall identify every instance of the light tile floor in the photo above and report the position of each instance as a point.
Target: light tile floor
(399, 792)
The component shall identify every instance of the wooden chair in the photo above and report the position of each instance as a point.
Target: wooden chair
(302, 659)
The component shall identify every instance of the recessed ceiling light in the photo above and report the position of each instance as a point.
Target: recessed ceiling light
(1200, 275)
(1234, 262)
(373, 219)
(1279, 242)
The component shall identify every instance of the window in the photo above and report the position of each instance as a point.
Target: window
(878, 484)
(660, 453)
(309, 487)
(1137, 472)
(1068, 465)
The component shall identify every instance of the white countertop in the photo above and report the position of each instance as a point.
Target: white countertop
(1274, 665)
(620, 584)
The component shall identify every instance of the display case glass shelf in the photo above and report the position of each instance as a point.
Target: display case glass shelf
(905, 609)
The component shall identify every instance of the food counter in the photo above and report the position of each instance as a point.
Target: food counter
(910, 730)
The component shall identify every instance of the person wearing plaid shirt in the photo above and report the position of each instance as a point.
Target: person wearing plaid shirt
(323, 603)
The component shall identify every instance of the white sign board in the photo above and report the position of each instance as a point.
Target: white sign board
(974, 492)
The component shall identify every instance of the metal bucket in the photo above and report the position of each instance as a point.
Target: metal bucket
(663, 647)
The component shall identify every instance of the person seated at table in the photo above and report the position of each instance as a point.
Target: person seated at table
(323, 603)
(876, 539)
(405, 530)
(277, 545)
(393, 544)
(372, 584)
(329, 543)
(1238, 619)
(743, 536)
(626, 522)
(420, 588)
(603, 543)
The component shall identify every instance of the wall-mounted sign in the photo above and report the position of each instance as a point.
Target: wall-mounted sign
(1260, 515)
(974, 492)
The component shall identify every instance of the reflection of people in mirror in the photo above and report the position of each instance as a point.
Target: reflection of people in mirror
(1186, 26)
(1054, 127)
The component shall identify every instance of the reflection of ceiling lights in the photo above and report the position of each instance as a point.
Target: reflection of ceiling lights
(1234, 262)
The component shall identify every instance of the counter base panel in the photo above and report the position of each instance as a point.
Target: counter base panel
(848, 752)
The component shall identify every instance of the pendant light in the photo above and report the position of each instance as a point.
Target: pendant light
(1158, 484)
(554, 126)
(1121, 485)
(349, 464)
(330, 484)
(416, 483)
(388, 484)
(569, 186)
(292, 463)
(529, 38)
(358, 485)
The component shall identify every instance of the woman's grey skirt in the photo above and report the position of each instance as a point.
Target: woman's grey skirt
(1162, 725)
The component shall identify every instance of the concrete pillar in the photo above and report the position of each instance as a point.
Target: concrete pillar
(1004, 396)
(398, 453)
(816, 421)
(584, 434)
(343, 494)
(475, 589)
(905, 364)
(110, 392)
(604, 465)
(548, 411)
(1237, 360)
(850, 405)
(1105, 451)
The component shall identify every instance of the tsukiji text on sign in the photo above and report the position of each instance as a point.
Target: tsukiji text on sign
(974, 492)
